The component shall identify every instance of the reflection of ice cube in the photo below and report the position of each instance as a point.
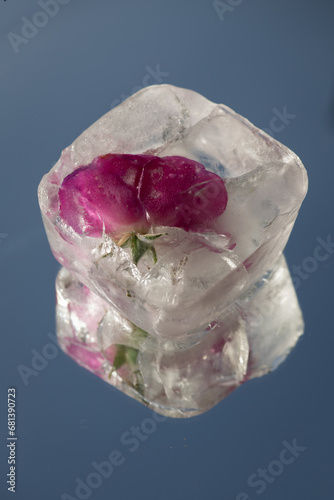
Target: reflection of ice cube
(189, 381)
(273, 318)
(197, 277)
(182, 378)
(79, 312)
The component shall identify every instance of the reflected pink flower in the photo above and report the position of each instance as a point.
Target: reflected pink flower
(89, 359)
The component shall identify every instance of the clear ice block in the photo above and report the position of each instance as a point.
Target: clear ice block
(197, 276)
(208, 308)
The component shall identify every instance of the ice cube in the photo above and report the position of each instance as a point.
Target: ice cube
(197, 276)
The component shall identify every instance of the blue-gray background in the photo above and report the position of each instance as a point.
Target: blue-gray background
(256, 57)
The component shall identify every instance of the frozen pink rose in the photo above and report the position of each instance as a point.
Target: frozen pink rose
(131, 193)
(179, 192)
(104, 194)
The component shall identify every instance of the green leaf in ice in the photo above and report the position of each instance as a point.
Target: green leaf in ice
(139, 246)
